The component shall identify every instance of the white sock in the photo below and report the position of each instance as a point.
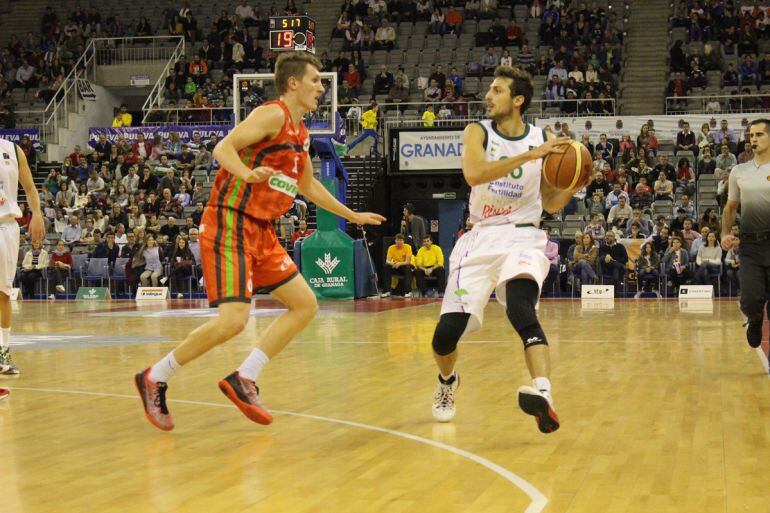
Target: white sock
(5, 337)
(447, 378)
(161, 371)
(252, 365)
(542, 384)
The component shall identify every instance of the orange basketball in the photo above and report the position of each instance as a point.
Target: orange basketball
(569, 170)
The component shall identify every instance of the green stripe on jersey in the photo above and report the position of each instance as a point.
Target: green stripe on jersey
(229, 257)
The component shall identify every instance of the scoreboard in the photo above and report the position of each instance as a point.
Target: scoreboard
(292, 33)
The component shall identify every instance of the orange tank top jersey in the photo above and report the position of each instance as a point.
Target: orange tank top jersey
(270, 199)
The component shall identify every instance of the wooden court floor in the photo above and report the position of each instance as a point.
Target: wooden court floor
(664, 408)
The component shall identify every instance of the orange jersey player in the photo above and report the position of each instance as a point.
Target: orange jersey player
(264, 165)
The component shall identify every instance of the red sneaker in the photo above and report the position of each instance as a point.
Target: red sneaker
(245, 395)
(540, 405)
(154, 399)
(4, 392)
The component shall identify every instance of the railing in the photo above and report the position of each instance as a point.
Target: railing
(409, 114)
(137, 50)
(159, 116)
(99, 51)
(155, 98)
(727, 103)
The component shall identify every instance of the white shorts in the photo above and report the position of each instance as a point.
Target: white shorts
(9, 255)
(487, 257)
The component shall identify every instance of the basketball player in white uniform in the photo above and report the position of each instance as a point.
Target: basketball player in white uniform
(505, 250)
(13, 169)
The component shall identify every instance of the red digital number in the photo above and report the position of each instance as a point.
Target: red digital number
(286, 39)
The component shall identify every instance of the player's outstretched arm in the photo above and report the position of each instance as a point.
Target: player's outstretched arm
(317, 193)
(263, 123)
(477, 169)
(36, 226)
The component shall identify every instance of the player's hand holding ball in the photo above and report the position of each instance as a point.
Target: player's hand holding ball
(568, 169)
(557, 146)
(261, 174)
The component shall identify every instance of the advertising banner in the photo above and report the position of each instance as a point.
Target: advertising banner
(151, 293)
(428, 150)
(327, 264)
(15, 135)
(185, 132)
(327, 256)
(93, 293)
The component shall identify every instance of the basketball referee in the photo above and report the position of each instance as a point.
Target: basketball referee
(749, 188)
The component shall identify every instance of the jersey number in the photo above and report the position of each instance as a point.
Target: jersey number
(516, 173)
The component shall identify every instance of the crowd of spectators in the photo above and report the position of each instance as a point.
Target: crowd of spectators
(581, 52)
(583, 59)
(721, 36)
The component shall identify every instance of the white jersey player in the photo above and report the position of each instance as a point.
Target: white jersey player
(505, 250)
(13, 169)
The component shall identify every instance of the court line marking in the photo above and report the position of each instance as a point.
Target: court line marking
(538, 500)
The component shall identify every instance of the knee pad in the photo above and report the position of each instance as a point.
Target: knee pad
(521, 297)
(449, 329)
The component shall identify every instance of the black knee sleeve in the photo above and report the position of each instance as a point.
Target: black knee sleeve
(521, 297)
(449, 329)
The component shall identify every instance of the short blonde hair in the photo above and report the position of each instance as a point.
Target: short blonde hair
(292, 64)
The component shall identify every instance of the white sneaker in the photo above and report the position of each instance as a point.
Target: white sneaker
(179, 295)
(539, 404)
(444, 400)
(407, 295)
(60, 288)
(52, 297)
(385, 294)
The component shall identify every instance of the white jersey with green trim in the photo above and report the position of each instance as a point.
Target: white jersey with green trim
(514, 198)
(9, 181)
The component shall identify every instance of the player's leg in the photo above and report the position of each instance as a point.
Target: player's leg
(226, 273)
(9, 257)
(152, 382)
(755, 280)
(520, 281)
(240, 386)
(5, 329)
(521, 297)
(462, 311)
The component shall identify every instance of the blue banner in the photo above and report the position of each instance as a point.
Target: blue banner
(185, 132)
(16, 134)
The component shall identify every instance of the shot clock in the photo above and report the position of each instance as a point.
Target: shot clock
(292, 33)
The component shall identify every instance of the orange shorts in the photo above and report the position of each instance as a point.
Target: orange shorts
(240, 254)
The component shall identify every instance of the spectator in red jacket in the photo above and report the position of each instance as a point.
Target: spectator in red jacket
(141, 147)
(61, 264)
(301, 233)
(353, 79)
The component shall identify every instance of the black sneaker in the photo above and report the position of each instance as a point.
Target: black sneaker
(245, 395)
(754, 333)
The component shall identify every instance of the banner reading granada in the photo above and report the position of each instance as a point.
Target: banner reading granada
(429, 150)
(185, 132)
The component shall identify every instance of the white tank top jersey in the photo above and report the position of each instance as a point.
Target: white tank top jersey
(515, 198)
(9, 181)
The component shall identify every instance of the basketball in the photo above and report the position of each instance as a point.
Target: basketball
(569, 170)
